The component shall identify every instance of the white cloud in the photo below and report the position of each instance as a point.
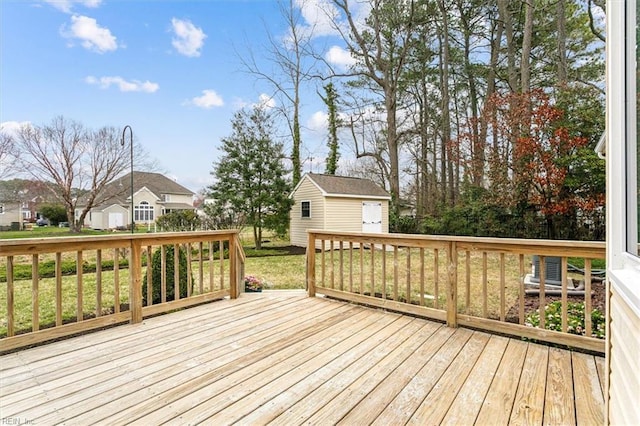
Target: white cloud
(209, 99)
(91, 35)
(340, 57)
(123, 85)
(67, 5)
(188, 39)
(318, 121)
(265, 101)
(12, 128)
(319, 16)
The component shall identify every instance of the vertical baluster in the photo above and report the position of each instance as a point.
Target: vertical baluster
(176, 272)
(543, 278)
(421, 276)
(35, 303)
(373, 270)
(565, 280)
(350, 266)
(98, 283)
(116, 280)
(201, 267)
(341, 266)
(395, 272)
(322, 263)
(211, 269)
(587, 298)
(361, 267)
(221, 245)
(189, 283)
(384, 271)
(150, 282)
(58, 289)
(467, 267)
(79, 286)
(331, 261)
(436, 278)
(521, 291)
(485, 296)
(10, 298)
(408, 289)
(503, 283)
(163, 274)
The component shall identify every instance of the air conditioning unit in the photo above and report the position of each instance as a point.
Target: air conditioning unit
(553, 270)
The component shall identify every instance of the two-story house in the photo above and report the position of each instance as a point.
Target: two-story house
(153, 196)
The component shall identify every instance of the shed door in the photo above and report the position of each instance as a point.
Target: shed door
(372, 216)
(115, 220)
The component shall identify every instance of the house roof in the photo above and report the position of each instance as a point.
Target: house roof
(344, 186)
(119, 190)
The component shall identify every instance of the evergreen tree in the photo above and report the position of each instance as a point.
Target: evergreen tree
(250, 176)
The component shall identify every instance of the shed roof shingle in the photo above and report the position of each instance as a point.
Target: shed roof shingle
(343, 185)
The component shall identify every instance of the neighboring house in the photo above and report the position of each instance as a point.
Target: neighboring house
(153, 196)
(10, 214)
(20, 200)
(337, 203)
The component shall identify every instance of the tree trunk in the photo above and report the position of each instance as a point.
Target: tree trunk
(525, 62)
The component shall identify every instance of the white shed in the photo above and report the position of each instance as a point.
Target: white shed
(337, 203)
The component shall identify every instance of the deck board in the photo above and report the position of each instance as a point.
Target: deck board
(284, 358)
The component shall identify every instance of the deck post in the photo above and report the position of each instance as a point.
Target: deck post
(234, 277)
(311, 265)
(135, 282)
(452, 285)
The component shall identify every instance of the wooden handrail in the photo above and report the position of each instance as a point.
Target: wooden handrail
(487, 292)
(79, 252)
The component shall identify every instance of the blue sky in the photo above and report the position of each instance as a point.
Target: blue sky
(169, 69)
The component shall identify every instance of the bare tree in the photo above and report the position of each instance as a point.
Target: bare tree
(8, 155)
(382, 47)
(80, 162)
(292, 58)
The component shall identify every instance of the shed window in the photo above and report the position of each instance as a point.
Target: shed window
(1, 208)
(306, 208)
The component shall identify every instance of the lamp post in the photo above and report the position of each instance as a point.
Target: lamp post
(131, 144)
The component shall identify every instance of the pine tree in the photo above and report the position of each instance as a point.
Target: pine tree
(250, 176)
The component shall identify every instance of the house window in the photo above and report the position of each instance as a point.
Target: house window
(143, 212)
(305, 209)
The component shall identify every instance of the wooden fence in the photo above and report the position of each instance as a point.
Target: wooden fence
(483, 283)
(55, 287)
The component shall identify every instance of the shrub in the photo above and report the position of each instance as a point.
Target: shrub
(156, 275)
(575, 319)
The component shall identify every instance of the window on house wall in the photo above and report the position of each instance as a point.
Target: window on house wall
(143, 212)
(305, 208)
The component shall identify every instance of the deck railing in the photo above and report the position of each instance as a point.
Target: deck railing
(54, 287)
(483, 283)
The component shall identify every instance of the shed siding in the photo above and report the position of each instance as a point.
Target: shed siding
(298, 226)
(624, 382)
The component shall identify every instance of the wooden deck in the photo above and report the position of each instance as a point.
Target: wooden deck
(284, 358)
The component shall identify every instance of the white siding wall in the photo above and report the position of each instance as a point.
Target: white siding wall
(346, 214)
(624, 361)
(187, 199)
(298, 226)
(11, 213)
